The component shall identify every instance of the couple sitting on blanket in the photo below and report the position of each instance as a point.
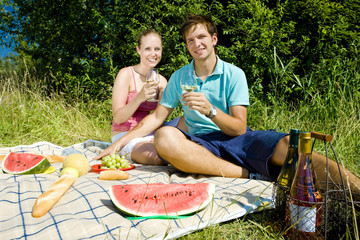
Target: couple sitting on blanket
(215, 139)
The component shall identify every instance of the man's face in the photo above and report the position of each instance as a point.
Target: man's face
(200, 43)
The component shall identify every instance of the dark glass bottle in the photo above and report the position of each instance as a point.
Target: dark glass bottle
(288, 170)
(305, 205)
(287, 174)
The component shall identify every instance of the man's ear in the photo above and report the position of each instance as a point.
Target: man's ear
(215, 38)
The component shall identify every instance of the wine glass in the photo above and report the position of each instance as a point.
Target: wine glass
(188, 81)
(153, 76)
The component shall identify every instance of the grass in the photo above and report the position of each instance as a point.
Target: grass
(29, 114)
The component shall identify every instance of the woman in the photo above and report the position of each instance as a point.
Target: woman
(130, 99)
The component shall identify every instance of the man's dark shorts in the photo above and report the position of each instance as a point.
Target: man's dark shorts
(251, 150)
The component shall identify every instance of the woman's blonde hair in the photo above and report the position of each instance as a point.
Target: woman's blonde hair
(146, 32)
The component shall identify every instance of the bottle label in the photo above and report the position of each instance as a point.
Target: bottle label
(303, 218)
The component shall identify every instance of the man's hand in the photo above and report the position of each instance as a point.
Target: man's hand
(197, 101)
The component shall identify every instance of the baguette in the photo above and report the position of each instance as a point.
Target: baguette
(113, 174)
(49, 198)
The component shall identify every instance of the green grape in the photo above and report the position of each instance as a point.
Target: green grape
(115, 161)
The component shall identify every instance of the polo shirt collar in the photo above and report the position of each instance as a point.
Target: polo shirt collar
(218, 68)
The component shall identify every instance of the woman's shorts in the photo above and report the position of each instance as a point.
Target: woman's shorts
(127, 149)
(251, 150)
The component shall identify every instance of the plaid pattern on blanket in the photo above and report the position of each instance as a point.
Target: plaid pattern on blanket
(86, 211)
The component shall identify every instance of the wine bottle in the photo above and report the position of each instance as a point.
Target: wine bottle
(305, 205)
(287, 174)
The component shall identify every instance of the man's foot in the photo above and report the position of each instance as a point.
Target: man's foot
(258, 176)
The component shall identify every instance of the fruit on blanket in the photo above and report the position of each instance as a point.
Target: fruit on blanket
(24, 163)
(78, 161)
(50, 170)
(114, 161)
(70, 170)
(146, 200)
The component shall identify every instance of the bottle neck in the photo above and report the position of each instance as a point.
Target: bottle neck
(305, 146)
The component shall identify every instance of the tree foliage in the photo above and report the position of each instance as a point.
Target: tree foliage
(285, 47)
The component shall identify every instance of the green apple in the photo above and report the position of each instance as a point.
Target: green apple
(71, 170)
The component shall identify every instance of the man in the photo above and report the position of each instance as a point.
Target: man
(218, 141)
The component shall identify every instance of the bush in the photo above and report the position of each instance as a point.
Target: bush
(84, 45)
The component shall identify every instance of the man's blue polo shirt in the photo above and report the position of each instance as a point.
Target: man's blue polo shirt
(225, 87)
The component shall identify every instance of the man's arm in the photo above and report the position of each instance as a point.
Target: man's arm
(149, 124)
(232, 124)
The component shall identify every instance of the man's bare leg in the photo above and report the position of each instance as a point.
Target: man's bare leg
(319, 163)
(190, 157)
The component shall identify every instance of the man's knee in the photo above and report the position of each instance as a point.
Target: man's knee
(280, 152)
(166, 138)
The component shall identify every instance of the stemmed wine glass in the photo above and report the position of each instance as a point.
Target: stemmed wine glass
(153, 76)
(188, 81)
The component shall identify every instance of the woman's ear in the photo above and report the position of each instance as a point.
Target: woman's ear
(138, 49)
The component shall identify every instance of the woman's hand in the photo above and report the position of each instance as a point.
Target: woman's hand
(148, 91)
(113, 148)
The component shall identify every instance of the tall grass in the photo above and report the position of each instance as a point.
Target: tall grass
(29, 113)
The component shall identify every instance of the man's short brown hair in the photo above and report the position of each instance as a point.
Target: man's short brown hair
(192, 20)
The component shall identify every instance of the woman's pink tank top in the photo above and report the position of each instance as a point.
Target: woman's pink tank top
(142, 111)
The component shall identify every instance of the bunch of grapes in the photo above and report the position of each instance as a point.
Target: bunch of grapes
(114, 161)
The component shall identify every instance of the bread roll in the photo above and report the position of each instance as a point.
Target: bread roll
(113, 174)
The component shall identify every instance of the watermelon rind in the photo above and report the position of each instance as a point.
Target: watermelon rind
(207, 190)
(41, 167)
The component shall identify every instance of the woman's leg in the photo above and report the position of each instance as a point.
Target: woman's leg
(145, 153)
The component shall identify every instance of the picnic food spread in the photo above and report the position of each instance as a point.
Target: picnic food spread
(134, 199)
(161, 199)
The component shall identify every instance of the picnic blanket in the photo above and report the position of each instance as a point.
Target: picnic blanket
(85, 211)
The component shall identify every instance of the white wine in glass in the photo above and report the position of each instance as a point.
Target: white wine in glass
(153, 76)
(188, 81)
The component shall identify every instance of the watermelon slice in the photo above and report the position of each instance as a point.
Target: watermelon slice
(145, 200)
(24, 163)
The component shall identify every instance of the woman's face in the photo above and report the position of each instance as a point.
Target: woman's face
(150, 50)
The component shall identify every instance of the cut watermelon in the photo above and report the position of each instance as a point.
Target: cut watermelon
(24, 163)
(156, 199)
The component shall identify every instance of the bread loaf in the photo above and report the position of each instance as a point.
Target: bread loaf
(48, 199)
(113, 174)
